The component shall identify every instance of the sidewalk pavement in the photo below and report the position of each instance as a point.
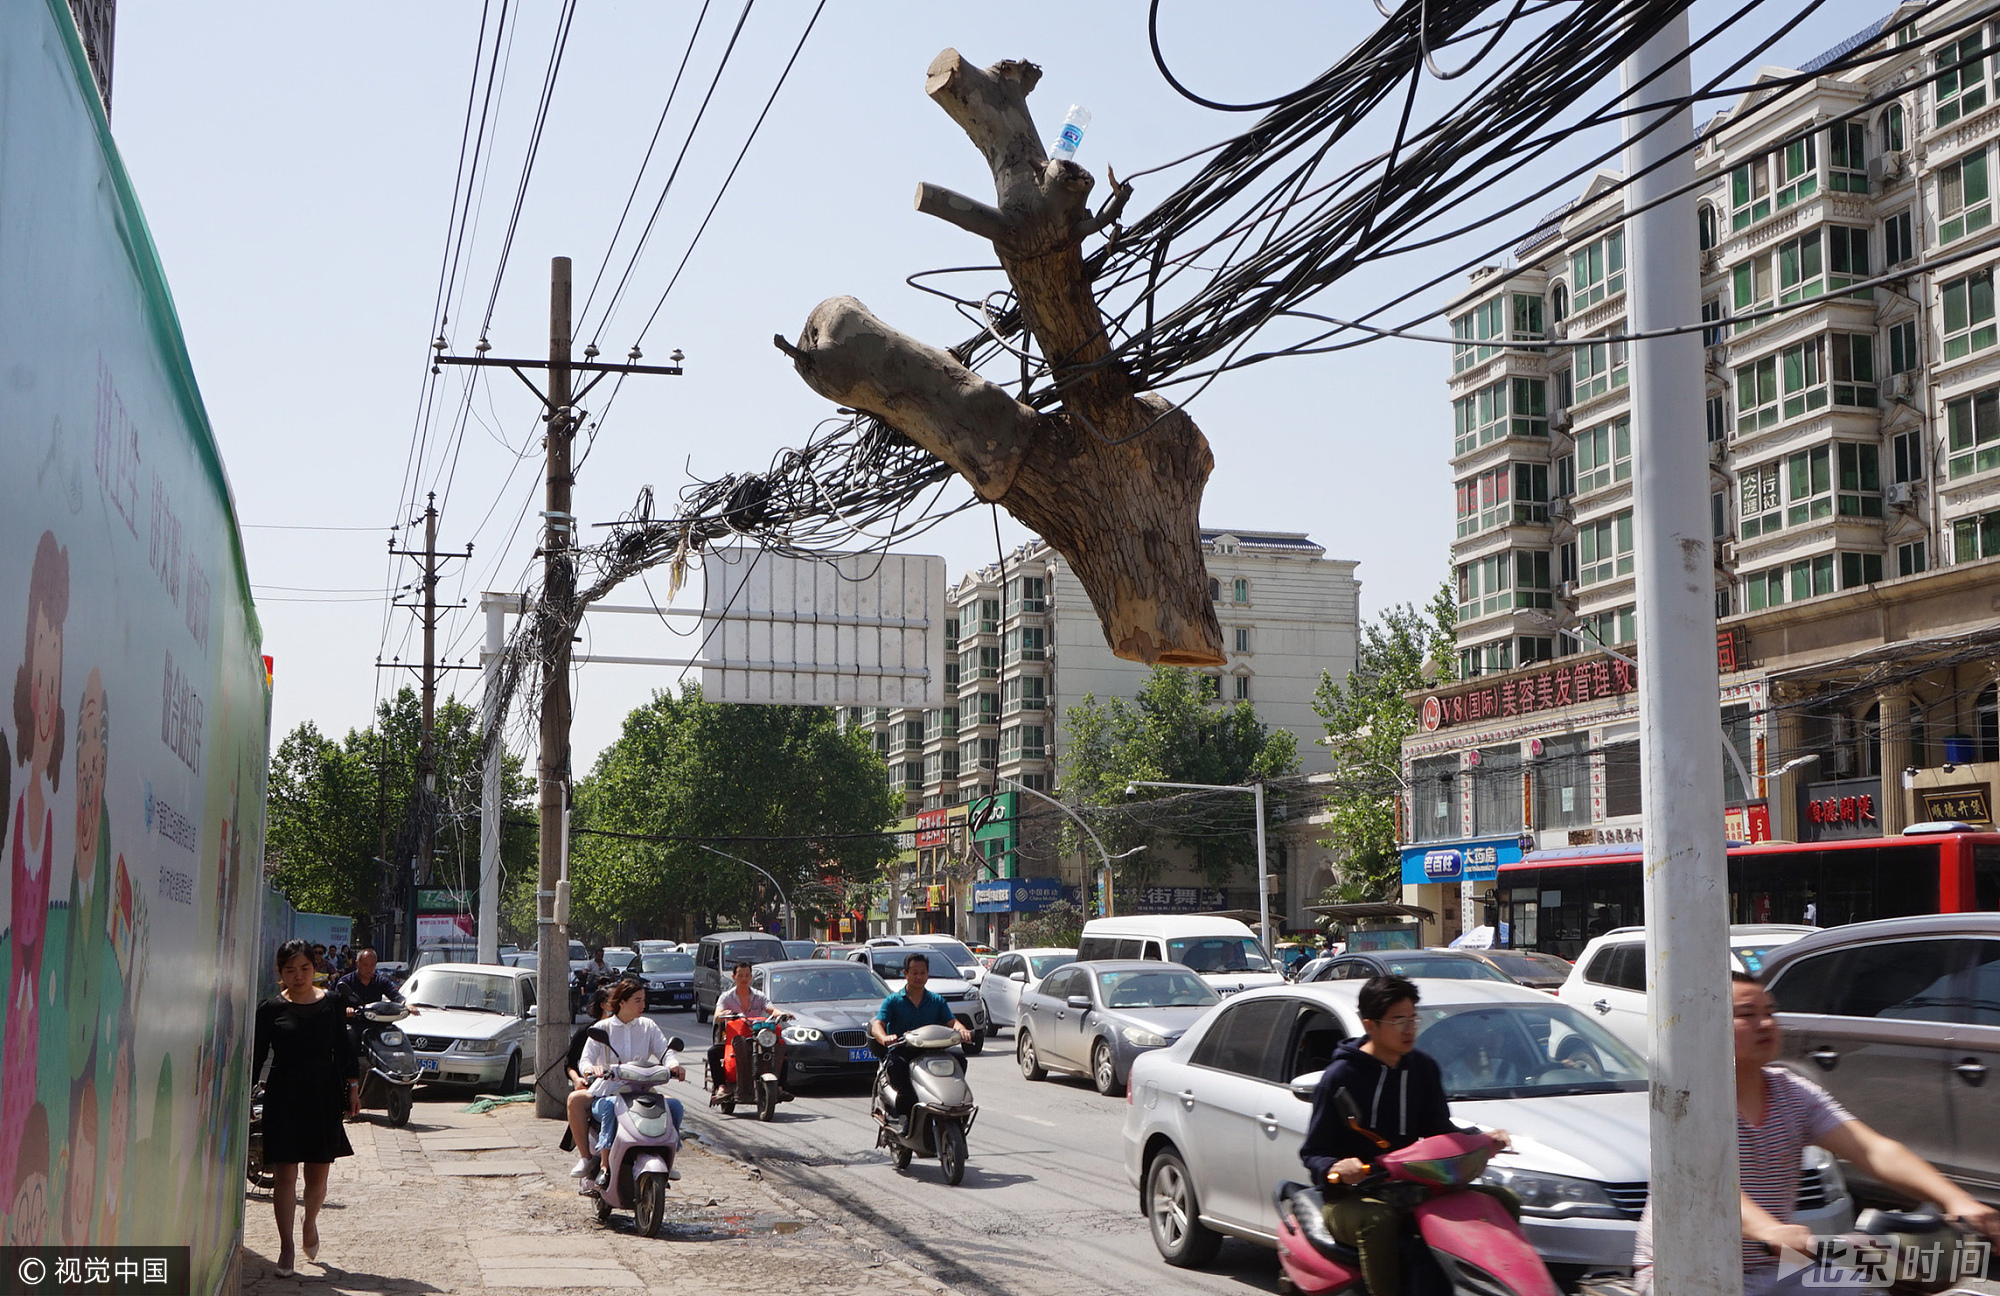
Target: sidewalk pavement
(463, 1202)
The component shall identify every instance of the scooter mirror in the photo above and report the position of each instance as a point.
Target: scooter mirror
(1344, 1103)
(1306, 1087)
(598, 1033)
(674, 1044)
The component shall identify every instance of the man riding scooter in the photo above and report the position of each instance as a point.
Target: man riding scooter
(740, 1003)
(902, 1012)
(362, 986)
(1400, 1097)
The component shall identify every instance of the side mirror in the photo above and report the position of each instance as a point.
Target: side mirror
(531, 1011)
(1022, 977)
(1079, 1001)
(1306, 1087)
(674, 1044)
(601, 1035)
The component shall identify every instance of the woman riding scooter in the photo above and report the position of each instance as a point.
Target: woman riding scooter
(629, 1037)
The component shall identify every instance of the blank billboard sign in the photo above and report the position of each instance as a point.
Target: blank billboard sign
(852, 630)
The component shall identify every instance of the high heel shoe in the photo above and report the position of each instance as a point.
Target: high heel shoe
(312, 1247)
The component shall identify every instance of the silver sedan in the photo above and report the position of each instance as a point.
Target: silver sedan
(1012, 975)
(1096, 1018)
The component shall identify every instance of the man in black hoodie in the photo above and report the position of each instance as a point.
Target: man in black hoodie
(1401, 1097)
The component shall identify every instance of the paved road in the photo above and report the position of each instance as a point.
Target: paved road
(1045, 1207)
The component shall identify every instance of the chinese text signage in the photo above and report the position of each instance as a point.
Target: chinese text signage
(1841, 808)
(1560, 686)
(1972, 803)
(1472, 861)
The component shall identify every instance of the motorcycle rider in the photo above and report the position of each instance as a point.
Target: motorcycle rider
(1401, 1097)
(742, 1001)
(362, 987)
(902, 1012)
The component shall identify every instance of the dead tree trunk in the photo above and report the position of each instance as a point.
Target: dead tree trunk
(1112, 480)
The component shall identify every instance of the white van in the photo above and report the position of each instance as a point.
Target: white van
(1225, 952)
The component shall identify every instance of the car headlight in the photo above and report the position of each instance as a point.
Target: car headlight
(802, 1035)
(1556, 1196)
(479, 1046)
(1140, 1037)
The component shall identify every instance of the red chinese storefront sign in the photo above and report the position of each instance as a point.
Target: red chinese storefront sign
(1750, 823)
(1845, 809)
(1560, 686)
(931, 828)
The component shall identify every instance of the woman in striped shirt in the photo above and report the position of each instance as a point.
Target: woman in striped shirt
(1778, 1114)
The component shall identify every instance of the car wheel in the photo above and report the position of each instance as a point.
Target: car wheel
(511, 1081)
(992, 1029)
(1104, 1070)
(700, 1014)
(1174, 1214)
(1024, 1053)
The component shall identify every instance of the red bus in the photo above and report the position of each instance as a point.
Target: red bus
(1557, 900)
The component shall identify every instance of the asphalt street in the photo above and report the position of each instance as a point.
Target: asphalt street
(1045, 1206)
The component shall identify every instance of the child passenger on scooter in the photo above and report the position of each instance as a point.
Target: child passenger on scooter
(633, 1037)
(1401, 1097)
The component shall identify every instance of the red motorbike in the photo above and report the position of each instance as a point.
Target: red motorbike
(1455, 1241)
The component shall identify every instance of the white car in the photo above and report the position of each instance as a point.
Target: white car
(958, 993)
(474, 1024)
(944, 949)
(1215, 1121)
(1608, 980)
(1011, 975)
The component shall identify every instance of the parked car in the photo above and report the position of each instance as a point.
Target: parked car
(800, 949)
(1095, 1019)
(965, 1003)
(948, 948)
(657, 947)
(445, 952)
(620, 959)
(716, 956)
(1531, 968)
(476, 1026)
(837, 951)
(1215, 1121)
(579, 957)
(1609, 978)
(395, 971)
(831, 1005)
(526, 960)
(1424, 964)
(1011, 975)
(669, 979)
(1900, 1020)
(1223, 950)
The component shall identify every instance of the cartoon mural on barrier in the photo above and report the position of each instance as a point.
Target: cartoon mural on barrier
(132, 756)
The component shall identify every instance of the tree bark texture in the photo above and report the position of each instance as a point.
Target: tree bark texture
(1112, 480)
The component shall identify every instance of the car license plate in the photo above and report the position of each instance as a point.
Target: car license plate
(427, 1064)
(862, 1054)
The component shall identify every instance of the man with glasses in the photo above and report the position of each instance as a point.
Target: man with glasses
(1401, 1098)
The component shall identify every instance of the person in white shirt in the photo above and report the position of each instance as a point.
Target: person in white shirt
(630, 1036)
(742, 1001)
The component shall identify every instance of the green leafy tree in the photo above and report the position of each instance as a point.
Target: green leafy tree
(686, 768)
(1367, 719)
(329, 802)
(1175, 732)
(1060, 926)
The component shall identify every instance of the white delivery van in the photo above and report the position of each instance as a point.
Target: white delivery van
(1225, 951)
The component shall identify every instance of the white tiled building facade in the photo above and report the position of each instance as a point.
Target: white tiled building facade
(1853, 440)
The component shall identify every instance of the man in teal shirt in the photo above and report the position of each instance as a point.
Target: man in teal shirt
(904, 1011)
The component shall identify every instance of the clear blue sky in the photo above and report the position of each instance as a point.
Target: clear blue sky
(296, 165)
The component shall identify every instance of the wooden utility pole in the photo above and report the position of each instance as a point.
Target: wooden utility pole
(559, 587)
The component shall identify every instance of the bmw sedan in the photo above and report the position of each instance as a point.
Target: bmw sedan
(831, 1005)
(1097, 1018)
(1215, 1121)
(474, 1024)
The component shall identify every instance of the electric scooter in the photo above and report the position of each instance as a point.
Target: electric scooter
(1464, 1243)
(757, 1084)
(639, 1163)
(940, 1110)
(389, 1065)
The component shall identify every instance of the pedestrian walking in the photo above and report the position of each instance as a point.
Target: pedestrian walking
(314, 1080)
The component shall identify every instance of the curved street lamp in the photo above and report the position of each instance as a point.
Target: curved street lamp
(767, 877)
(1102, 854)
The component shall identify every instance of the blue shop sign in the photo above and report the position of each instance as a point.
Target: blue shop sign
(1015, 895)
(1468, 861)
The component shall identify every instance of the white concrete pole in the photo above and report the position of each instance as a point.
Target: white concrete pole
(1694, 1171)
(495, 607)
(1263, 876)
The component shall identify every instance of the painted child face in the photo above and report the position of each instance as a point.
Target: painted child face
(45, 684)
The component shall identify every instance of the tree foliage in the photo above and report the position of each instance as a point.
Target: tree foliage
(1173, 732)
(1367, 719)
(1060, 926)
(683, 767)
(329, 802)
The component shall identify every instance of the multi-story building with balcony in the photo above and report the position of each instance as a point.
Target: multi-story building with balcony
(1853, 430)
(1026, 644)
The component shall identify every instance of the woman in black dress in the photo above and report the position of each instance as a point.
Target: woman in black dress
(314, 1079)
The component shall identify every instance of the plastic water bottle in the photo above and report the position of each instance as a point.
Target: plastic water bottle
(1071, 137)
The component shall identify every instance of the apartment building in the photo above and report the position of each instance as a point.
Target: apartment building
(1026, 645)
(1854, 446)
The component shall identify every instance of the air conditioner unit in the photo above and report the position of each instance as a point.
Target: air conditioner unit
(1725, 552)
(1560, 421)
(1842, 763)
(1566, 591)
(1561, 507)
(1900, 495)
(1717, 451)
(1887, 167)
(1708, 261)
(1897, 387)
(1558, 330)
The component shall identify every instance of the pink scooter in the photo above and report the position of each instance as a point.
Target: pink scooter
(1475, 1245)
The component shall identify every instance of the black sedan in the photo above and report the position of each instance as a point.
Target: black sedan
(669, 981)
(831, 1003)
(1096, 1018)
(1449, 964)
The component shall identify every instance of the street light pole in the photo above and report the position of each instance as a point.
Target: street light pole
(1263, 878)
(1102, 854)
(767, 877)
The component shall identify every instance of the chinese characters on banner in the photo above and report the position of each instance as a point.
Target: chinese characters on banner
(1846, 809)
(1561, 686)
(1971, 804)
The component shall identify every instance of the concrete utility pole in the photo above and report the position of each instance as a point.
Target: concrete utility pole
(559, 587)
(1694, 1177)
(491, 806)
